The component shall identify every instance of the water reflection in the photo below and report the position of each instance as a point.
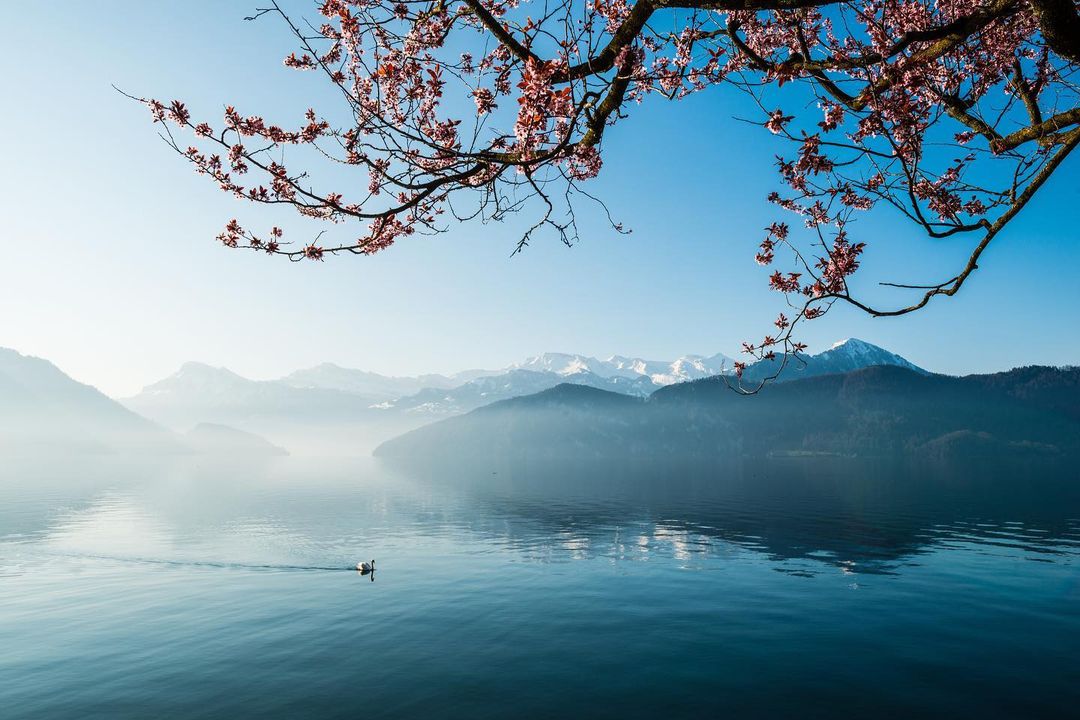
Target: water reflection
(802, 516)
(191, 589)
(857, 516)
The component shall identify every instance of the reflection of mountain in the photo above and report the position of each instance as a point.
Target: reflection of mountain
(41, 407)
(688, 584)
(860, 516)
(875, 411)
(803, 515)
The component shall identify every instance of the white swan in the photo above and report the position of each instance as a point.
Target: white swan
(366, 567)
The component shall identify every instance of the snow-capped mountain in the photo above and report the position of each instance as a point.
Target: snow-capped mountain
(693, 367)
(629, 376)
(373, 405)
(853, 354)
(844, 356)
(624, 374)
(659, 372)
(564, 364)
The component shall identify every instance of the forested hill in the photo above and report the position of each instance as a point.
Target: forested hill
(880, 410)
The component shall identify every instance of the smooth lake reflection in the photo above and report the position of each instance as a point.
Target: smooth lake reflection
(811, 588)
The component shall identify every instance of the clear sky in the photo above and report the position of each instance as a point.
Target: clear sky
(109, 267)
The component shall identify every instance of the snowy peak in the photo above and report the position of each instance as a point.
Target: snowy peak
(842, 357)
(693, 367)
(853, 354)
(560, 363)
(659, 372)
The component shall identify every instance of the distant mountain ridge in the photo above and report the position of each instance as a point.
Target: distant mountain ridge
(44, 410)
(449, 393)
(40, 405)
(202, 393)
(879, 410)
(659, 372)
(514, 383)
(330, 393)
(329, 376)
(631, 376)
(336, 409)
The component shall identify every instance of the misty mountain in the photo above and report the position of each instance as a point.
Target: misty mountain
(200, 393)
(486, 390)
(646, 375)
(212, 439)
(381, 406)
(329, 408)
(329, 376)
(880, 410)
(303, 420)
(41, 407)
(629, 376)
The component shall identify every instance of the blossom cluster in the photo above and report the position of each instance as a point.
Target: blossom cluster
(944, 110)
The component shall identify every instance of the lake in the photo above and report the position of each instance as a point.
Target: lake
(810, 588)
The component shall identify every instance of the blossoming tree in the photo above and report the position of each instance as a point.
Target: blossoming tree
(952, 112)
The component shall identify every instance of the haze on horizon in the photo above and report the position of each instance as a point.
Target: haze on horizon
(111, 272)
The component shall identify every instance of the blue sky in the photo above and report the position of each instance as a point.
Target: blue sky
(109, 267)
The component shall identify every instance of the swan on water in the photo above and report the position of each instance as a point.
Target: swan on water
(366, 567)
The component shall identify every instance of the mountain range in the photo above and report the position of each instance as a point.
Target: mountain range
(877, 410)
(651, 373)
(329, 408)
(202, 393)
(658, 372)
(329, 376)
(330, 394)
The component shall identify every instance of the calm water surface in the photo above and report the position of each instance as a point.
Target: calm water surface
(812, 588)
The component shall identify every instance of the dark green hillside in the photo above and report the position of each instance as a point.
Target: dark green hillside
(882, 410)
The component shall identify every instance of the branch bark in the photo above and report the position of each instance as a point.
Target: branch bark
(1060, 25)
